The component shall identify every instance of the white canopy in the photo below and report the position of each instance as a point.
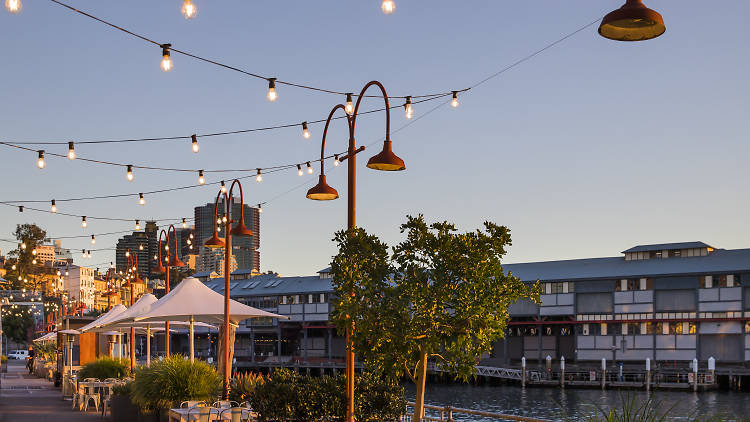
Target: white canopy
(103, 319)
(193, 300)
(47, 337)
(142, 306)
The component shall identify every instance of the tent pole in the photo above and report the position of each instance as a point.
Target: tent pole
(192, 338)
(148, 345)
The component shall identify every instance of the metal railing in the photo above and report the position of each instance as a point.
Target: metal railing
(438, 414)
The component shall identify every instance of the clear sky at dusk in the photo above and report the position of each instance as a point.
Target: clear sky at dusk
(589, 148)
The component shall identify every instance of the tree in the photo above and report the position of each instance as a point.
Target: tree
(30, 236)
(440, 295)
(17, 322)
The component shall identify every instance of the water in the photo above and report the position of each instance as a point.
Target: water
(578, 405)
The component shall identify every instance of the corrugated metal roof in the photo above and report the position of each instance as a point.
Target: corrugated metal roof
(272, 285)
(719, 261)
(203, 274)
(666, 246)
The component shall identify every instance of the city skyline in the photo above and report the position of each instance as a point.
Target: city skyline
(534, 150)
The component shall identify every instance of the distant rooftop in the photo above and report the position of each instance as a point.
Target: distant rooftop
(667, 246)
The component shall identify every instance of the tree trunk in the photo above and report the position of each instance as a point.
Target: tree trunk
(421, 378)
(220, 351)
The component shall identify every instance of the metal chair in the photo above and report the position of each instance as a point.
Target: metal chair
(192, 403)
(202, 413)
(232, 414)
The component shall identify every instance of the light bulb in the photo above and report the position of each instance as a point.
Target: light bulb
(93, 240)
(166, 61)
(191, 235)
(83, 254)
(349, 107)
(191, 246)
(23, 245)
(454, 100)
(260, 208)
(20, 208)
(184, 224)
(33, 261)
(71, 151)
(156, 258)
(140, 247)
(188, 9)
(305, 131)
(13, 267)
(33, 252)
(141, 199)
(336, 161)
(13, 6)
(299, 170)
(218, 228)
(137, 225)
(224, 219)
(223, 187)
(218, 220)
(309, 168)
(88, 254)
(388, 6)
(272, 95)
(189, 242)
(166, 247)
(201, 179)
(196, 148)
(408, 109)
(53, 208)
(129, 174)
(258, 177)
(40, 162)
(84, 224)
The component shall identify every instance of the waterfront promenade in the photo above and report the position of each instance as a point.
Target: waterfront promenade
(24, 397)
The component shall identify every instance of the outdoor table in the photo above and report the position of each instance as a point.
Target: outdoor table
(181, 414)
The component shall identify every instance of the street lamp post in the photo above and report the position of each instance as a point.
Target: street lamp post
(215, 242)
(174, 261)
(132, 264)
(386, 160)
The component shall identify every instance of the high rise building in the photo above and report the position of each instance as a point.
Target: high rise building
(144, 245)
(244, 248)
(79, 283)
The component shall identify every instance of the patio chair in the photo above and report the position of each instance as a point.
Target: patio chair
(89, 394)
(74, 392)
(232, 414)
(199, 413)
(225, 404)
(192, 403)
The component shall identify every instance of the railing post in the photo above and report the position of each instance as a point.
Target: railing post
(695, 374)
(648, 374)
(523, 372)
(450, 414)
(604, 373)
(562, 372)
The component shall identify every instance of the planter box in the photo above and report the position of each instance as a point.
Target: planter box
(123, 410)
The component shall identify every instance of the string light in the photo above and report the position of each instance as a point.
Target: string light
(201, 179)
(260, 209)
(20, 208)
(166, 61)
(336, 161)
(272, 95)
(33, 251)
(195, 146)
(127, 254)
(33, 261)
(23, 245)
(88, 254)
(140, 247)
(305, 131)
(13, 267)
(40, 162)
(309, 168)
(137, 225)
(454, 100)
(223, 189)
(53, 207)
(299, 170)
(349, 107)
(129, 174)
(188, 9)
(388, 6)
(408, 108)
(84, 224)
(141, 199)
(13, 6)
(184, 223)
(71, 151)
(258, 177)
(93, 240)
(83, 253)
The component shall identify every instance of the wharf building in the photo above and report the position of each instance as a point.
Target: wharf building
(668, 302)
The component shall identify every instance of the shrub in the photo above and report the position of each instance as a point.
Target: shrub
(123, 389)
(3, 358)
(104, 368)
(243, 386)
(175, 379)
(46, 351)
(380, 399)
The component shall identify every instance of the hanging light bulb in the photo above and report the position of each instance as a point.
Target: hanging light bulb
(191, 246)
(88, 254)
(388, 6)
(184, 223)
(260, 208)
(305, 131)
(129, 174)
(189, 242)
(40, 161)
(195, 146)
(71, 151)
(33, 261)
(83, 253)
(408, 109)
(140, 247)
(13, 267)
(299, 170)
(188, 9)
(349, 107)
(454, 100)
(166, 61)
(84, 224)
(191, 235)
(127, 254)
(272, 95)
(53, 208)
(309, 168)
(20, 208)
(201, 179)
(336, 161)
(166, 247)
(137, 225)
(141, 199)
(33, 252)
(223, 188)
(23, 245)
(13, 6)
(156, 257)
(93, 240)
(258, 177)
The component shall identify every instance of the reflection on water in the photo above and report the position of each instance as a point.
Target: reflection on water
(576, 405)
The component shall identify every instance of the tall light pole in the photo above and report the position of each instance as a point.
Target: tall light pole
(386, 160)
(133, 278)
(174, 261)
(215, 242)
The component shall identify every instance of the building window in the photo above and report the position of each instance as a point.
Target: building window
(626, 285)
(558, 287)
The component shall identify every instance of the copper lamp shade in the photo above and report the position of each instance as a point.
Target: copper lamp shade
(214, 242)
(160, 268)
(240, 229)
(632, 22)
(386, 160)
(321, 191)
(175, 262)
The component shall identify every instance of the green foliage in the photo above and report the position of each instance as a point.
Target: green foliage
(287, 396)
(3, 358)
(46, 351)
(104, 368)
(243, 386)
(17, 322)
(168, 382)
(125, 389)
(633, 409)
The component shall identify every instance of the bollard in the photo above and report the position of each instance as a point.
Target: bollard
(523, 372)
(604, 373)
(562, 372)
(648, 374)
(712, 368)
(695, 374)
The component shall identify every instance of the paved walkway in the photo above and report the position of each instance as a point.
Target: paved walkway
(26, 398)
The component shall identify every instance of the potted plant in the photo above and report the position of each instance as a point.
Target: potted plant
(122, 408)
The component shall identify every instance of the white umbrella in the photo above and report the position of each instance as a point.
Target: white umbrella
(95, 326)
(193, 301)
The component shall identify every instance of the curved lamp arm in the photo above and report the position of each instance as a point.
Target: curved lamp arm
(387, 109)
(349, 122)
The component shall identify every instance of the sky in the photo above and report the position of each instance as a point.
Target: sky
(587, 149)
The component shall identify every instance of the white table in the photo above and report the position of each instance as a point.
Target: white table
(181, 414)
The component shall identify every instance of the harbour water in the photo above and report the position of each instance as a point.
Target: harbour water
(580, 404)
